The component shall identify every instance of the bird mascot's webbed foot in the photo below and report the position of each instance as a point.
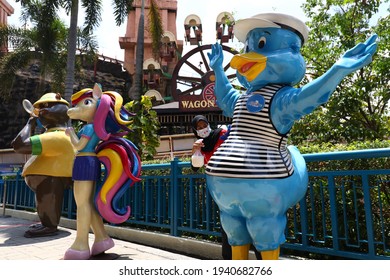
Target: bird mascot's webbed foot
(254, 176)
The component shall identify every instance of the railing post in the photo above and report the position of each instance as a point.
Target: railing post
(4, 195)
(174, 196)
(70, 203)
(333, 212)
(304, 222)
(368, 214)
(18, 188)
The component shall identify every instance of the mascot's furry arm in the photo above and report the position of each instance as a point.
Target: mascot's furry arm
(290, 104)
(22, 144)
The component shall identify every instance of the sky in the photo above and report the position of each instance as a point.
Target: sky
(108, 33)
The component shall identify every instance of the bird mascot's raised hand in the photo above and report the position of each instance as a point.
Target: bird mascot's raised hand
(254, 177)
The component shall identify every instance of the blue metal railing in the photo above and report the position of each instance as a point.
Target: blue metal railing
(345, 212)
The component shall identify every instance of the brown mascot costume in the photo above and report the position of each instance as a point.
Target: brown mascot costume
(48, 172)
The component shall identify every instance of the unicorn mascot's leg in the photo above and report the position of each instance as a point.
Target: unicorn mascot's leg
(85, 173)
(87, 217)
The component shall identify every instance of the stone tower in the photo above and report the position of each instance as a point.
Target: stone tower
(156, 72)
(5, 11)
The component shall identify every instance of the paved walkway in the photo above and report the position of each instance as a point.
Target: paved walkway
(14, 246)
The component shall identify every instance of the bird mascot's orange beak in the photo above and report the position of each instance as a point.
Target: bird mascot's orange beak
(249, 65)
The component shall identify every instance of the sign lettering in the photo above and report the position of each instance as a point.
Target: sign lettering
(186, 104)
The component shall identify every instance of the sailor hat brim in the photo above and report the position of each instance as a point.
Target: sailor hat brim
(265, 20)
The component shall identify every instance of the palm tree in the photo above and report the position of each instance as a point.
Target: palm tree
(156, 31)
(71, 57)
(155, 28)
(135, 91)
(93, 10)
(46, 41)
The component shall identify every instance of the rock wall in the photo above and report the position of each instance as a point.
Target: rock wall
(26, 85)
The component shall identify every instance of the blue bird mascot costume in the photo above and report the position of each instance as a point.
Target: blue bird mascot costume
(254, 177)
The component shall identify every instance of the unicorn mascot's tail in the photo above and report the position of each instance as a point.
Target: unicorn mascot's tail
(117, 154)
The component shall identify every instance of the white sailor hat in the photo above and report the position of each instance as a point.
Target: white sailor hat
(243, 26)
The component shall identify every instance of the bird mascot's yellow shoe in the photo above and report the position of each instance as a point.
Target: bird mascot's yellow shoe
(240, 252)
(270, 255)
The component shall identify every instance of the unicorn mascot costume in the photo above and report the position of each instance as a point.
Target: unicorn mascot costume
(100, 141)
(254, 177)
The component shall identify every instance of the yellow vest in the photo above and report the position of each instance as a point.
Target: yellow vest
(56, 155)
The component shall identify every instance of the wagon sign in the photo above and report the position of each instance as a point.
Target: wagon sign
(205, 101)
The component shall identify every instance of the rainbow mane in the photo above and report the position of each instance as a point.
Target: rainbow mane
(111, 116)
(123, 168)
(118, 155)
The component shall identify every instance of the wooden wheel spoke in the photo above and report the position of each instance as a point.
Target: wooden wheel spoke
(205, 62)
(226, 67)
(187, 84)
(192, 89)
(188, 79)
(231, 76)
(193, 67)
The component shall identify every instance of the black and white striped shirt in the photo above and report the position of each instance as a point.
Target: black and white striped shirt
(254, 149)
